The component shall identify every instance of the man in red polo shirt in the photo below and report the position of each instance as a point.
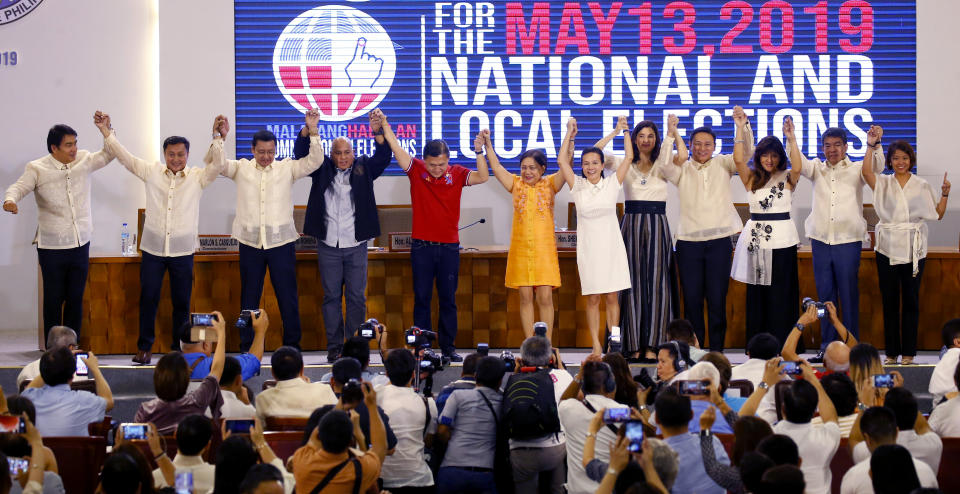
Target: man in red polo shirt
(435, 190)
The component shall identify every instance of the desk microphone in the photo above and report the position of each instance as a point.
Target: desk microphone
(481, 220)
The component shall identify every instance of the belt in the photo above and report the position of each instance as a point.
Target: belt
(769, 216)
(645, 207)
(430, 242)
(475, 469)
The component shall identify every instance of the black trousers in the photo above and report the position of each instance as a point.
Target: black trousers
(152, 269)
(704, 273)
(899, 285)
(282, 262)
(64, 280)
(436, 262)
(774, 308)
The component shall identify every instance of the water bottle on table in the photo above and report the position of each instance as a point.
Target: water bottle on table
(126, 242)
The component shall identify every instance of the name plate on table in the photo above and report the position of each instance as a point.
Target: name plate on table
(225, 244)
(400, 241)
(566, 240)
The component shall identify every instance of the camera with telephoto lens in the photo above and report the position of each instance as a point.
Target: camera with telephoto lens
(246, 318)
(369, 329)
(540, 329)
(509, 361)
(352, 392)
(430, 362)
(821, 307)
(419, 338)
(614, 344)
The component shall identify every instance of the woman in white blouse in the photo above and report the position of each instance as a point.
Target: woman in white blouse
(903, 202)
(766, 254)
(601, 255)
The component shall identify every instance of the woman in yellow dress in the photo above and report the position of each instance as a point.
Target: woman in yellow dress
(532, 265)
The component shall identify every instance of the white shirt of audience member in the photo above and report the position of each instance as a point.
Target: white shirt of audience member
(817, 444)
(945, 419)
(941, 382)
(857, 480)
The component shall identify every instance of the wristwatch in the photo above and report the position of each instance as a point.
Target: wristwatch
(799, 326)
(705, 433)
(217, 135)
(763, 385)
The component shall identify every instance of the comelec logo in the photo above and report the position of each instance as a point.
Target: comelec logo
(334, 58)
(12, 10)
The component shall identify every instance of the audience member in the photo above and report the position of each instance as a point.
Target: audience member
(673, 358)
(193, 439)
(748, 432)
(20, 446)
(864, 364)
(706, 372)
(314, 420)
(531, 418)
(626, 476)
(326, 460)
(60, 410)
(626, 386)
(294, 395)
(836, 356)
(599, 387)
(891, 472)
(344, 370)
(58, 337)
(237, 454)
(236, 399)
(762, 402)
(682, 331)
(752, 467)
(942, 381)
(144, 473)
(467, 380)
(816, 444)
(413, 419)
(878, 426)
(121, 475)
(200, 354)
(468, 425)
(673, 416)
(760, 348)
(358, 347)
(913, 432)
(262, 479)
(664, 458)
(783, 479)
(722, 363)
(171, 377)
(780, 449)
(945, 418)
(843, 395)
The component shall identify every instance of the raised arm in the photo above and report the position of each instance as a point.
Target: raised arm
(219, 355)
(845, 335)
(944, 193)
(682, 153)
(102, 157)
(610, 159)
(828, 413)
(306, 166)
(403, 157)
(217, 162)
(627, 160)
(565, 156)
(789, 350)
(103, 388)
(482, 174)
(740, 156)
(873, 140)
(378, 432)
(135, 165)
(771, 376)
(483, 142)
(382, 155)
(790, 140)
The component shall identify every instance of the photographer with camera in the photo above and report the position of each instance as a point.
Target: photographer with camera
(358, 347)
(836, 356)
(531, 420)
(199, 353)
(413, 419)
(468, 380)
(346, 384)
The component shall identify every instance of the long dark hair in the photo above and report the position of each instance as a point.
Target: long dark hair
(766, 145)
(626, 386)
(655, 152)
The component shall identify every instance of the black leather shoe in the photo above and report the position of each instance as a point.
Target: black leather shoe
(333, 357)
(818, 359)
(143, 357)
(453, 357)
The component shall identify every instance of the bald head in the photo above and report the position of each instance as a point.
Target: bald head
(837, 357)
(341, 152)
(61, 337)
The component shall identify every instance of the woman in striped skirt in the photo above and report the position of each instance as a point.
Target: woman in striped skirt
(653, 300)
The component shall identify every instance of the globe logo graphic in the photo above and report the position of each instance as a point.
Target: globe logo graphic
(334, 58)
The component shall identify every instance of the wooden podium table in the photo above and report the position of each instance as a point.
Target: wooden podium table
(487, 311)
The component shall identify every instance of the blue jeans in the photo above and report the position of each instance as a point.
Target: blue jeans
(455, 480)
(441, 262)
(342, 272)
(835, 269)
(152, 269)
(282, 261)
